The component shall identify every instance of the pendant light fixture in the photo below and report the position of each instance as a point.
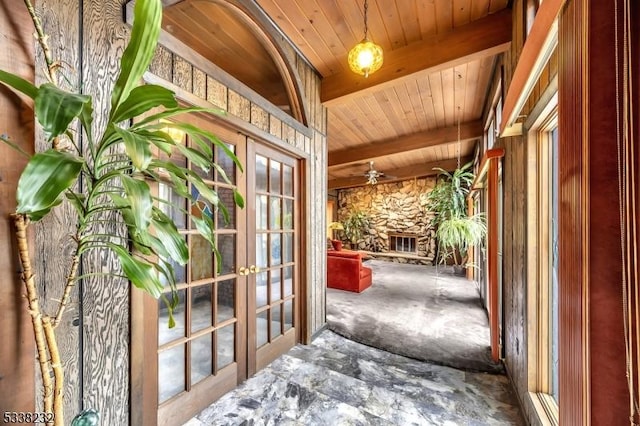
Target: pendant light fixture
(366, 57)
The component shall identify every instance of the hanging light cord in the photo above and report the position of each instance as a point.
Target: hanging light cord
(366, 9)
(624, 143)
(458, 136)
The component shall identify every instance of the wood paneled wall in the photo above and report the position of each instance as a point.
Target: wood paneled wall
(514, 177)
(90, 36)
(16, 122)
(593, 386)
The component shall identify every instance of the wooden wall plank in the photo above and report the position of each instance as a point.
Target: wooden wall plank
(16, 121)
(105, 301)
(61, 21)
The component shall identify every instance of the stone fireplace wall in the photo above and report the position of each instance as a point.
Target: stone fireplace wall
(397, 207)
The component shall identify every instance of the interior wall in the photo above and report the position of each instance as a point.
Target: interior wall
(16, 122)
(89, 36)
(593, 386)
(593, 364)
(516, 321)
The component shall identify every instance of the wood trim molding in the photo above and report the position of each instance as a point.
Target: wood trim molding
(537, 50)
(226, 120)
(481, 175)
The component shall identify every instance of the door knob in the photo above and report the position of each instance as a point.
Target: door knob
(254, 269)
(243, 271)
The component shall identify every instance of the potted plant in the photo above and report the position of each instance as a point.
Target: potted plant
(456, 230)
(355, 223)
(117, 168)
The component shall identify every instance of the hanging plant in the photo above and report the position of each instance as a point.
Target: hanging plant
(456, 231)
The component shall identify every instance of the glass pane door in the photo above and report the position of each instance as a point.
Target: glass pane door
(203, 354)
(272, 290)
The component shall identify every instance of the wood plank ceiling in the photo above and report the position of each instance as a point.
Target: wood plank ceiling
(439, 59)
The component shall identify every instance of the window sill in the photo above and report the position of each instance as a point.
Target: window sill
(546, 408)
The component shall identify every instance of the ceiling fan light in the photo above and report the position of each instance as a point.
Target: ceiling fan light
(365, 58)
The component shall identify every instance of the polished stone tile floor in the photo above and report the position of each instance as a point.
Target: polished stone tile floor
(335, 381)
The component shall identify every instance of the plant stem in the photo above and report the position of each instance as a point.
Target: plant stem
(58, 372)
(20, 225)
(71, 281)
(42, 40)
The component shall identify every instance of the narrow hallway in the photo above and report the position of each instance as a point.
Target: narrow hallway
(335, 381)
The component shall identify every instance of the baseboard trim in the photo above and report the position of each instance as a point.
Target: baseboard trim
(318, 331)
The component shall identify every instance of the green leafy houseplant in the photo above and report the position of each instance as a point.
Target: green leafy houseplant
(456, 231)
(112, 175)
(355, 223)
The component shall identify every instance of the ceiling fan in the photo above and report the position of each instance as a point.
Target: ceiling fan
(373, 175)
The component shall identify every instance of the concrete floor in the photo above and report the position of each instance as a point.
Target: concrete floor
(335, 381)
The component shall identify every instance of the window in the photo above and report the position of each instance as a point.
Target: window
(494, 121)
(402, 243)
(530, 10)
(542, 261)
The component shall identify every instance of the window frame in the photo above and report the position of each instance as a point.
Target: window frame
(539, 211)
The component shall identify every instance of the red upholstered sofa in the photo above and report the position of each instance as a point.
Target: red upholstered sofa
(346, 272)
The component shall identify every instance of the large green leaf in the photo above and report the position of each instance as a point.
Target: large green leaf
(19, 84)
(153, 119)
(56, 108)
(196, 157)
(47, 175)
(197, 134)
(206, 191)
(168, 233)
(140, 202)
(147, 17)
(160, 139)
(205, 227)
(136, 147)
(237, 198)
(140, 272)
(77, 200)
(142, 99)
(86, 118)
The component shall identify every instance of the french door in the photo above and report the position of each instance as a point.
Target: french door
(236, 313)
(274, 280)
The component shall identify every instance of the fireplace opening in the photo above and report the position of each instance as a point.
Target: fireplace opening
(402, 243)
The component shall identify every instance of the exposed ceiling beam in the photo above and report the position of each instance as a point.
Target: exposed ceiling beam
(418, 170)
(477, 40)
(420, 140)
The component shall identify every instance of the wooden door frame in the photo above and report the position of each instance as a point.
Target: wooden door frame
(487, 178)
